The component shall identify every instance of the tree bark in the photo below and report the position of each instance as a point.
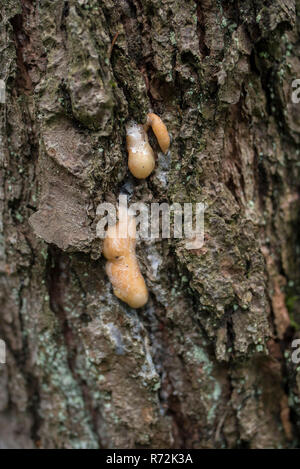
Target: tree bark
(207, 362)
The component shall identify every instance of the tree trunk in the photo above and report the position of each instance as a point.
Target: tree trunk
(207, 362)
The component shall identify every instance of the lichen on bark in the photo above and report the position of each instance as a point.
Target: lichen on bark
(207, 362)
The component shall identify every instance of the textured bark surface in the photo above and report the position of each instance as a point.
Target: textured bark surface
(207, 362)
